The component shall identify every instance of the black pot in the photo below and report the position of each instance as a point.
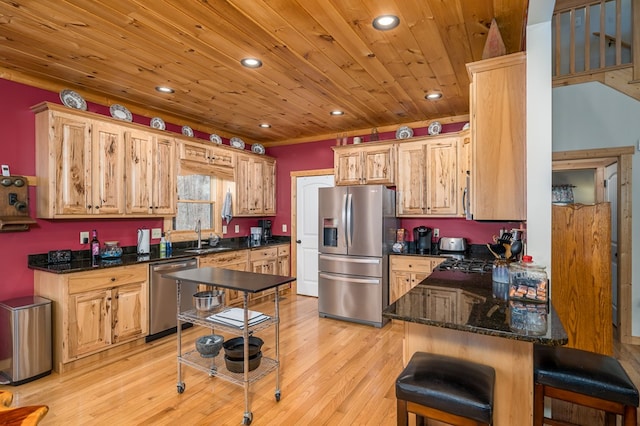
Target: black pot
(234, 348)
(237, 365)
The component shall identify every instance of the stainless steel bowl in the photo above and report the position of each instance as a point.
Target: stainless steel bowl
(208, 300)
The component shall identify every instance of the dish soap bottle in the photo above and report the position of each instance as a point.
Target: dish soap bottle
(163, 246)
(169, 248)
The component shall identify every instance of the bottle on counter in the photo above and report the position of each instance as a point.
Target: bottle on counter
(169, 246)
(163, 246)
(95, 248)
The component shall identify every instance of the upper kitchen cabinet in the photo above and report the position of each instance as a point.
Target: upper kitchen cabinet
(255, 185)
(150, 173)
(370, 164)
(79, 164)
(498, 136)
(205, 158)
(88, 165)
(431, 176)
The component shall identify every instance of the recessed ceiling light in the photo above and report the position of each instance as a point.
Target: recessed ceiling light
(337, 112)
(264, 125)
(385, 22)
(164, 89)
(433, 96)
(251, 62)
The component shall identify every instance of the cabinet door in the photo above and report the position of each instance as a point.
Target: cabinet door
(442, 177)
(269, 187)
(379, 165)
(89, 322)
(256, 185)
(410, 198)
(107, 168)
(164, 176)
(399, 284)
(348, 167)
(195, 152)
(72, 145)
(498, 136)
(442, 305)
(128, 312)
(139, 172)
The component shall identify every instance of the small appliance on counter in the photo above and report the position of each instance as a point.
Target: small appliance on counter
(256, 236)
(144, 240)
(265, 225)
(453, 246)
(422, 239)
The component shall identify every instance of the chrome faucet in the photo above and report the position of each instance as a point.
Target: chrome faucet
(198, 231)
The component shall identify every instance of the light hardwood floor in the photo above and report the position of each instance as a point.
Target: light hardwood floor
(332, 373)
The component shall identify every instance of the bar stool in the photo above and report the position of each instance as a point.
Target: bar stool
(582, 378)
(447, 389)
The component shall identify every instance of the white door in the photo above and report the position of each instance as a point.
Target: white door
(307, 231)
(611, 195)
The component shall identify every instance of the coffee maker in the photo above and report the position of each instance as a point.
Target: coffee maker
(266, 229)
(422, 239)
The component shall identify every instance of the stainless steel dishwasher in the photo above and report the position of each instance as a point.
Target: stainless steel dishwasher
(163, 297)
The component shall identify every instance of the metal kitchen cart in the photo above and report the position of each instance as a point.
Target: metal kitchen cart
(246, 282)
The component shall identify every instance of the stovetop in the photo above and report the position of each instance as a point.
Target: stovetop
(466, 265)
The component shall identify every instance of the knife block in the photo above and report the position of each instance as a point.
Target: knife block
(14, 204)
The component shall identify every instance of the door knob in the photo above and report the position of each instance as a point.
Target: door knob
(299, 241)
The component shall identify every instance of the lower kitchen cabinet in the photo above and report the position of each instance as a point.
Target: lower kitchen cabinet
(272, 260)
(406, 272)
(235, 260)
(95, 310)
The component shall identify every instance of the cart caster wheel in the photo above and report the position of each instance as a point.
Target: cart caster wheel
(278, 396)
(246, 420)
(181, 387)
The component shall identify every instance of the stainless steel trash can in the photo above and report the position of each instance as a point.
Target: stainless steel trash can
(25, 337)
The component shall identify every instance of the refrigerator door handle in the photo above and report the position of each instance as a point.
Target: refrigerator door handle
(349, 209)
(349, 279)
(374, 261)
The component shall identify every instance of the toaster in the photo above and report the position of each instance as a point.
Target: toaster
(452, 244)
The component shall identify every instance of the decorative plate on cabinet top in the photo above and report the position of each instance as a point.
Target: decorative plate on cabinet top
(215, 139)
(157, 123)
(236, 143)
(466, 126)
(72, 99)
(187, 131)
(404, 132)
(120, 112)
(435, 128)
(256, 148)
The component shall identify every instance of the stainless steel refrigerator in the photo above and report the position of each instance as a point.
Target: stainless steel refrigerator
(357, 228)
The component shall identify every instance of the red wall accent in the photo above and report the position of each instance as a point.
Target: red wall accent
(17, 149)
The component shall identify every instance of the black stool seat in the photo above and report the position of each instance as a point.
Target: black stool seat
(583, 372)
(450, 385)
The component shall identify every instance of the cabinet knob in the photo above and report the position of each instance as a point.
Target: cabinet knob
(89, 206)
(113, 279)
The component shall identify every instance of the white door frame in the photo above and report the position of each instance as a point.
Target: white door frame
(294, 216)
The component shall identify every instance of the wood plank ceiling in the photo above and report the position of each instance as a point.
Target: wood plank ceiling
(318, 56)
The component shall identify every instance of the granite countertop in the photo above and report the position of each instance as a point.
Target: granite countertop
(474, 309)
(475, 251)
(81, 260)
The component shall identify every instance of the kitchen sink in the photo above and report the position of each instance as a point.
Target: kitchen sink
(207, 250)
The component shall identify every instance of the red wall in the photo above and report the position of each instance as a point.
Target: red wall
(17, 147)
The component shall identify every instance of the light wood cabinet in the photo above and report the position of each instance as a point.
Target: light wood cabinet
(205, 158)
(284, 260)
(370, 164)
(270, 260)
(88, 166)
(255, 186)
(498, 137)
(95, 310)
(431, 177)
(80, 166)
(442, 304)
(236, 260)
(150, 173)
(406, 272)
